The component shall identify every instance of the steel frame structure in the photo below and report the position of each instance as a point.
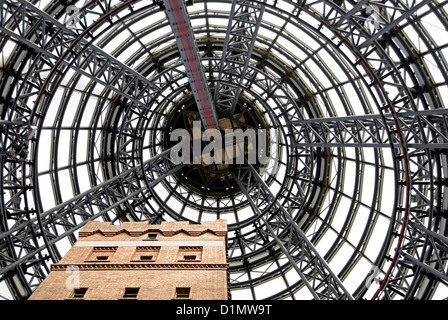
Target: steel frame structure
(393, 123)
(178, 17)
(244, 22)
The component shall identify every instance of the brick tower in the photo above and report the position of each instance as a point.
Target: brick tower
(173, 260)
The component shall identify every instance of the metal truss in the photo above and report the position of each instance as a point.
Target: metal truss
(411, 130)
(425, 161)
(279, 225)
(179, 21)
(404, 120)
(244, 22)
(62, 49)
(421, 130)
(57, 49)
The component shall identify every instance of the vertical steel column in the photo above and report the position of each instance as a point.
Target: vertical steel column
(183, 32)
(244, 23)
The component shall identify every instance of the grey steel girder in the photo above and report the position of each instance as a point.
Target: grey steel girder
(395, 21)
(180, 24)
(62, 49)
(244, 22)
(314, 271)
(418, 164)
(53, 45)
(421, 129)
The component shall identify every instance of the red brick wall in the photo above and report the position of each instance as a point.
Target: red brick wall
(205, 284)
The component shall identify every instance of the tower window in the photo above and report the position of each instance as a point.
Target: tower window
(146, 258)
(131, 293)
(152, 236)
(102, 258)
(101, 254)
(145, 254)
(182, 293)
(79, 293)
(189, 254)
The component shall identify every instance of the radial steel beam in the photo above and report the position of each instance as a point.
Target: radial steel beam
(62, 49)
(244, 22)
(422, 130)
(314, 271)
(443, 276)
(183, 32)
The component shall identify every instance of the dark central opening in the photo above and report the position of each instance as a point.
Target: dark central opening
(216, 179)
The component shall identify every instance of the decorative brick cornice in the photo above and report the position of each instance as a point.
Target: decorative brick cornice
(96, 249)
(137, 266)
(190, 248)
(136, 229)
(148, 248)
(165, 233)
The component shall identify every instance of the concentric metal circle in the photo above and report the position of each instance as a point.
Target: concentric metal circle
(351, 92)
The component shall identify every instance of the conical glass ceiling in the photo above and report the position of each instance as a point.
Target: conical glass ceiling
(351, 202)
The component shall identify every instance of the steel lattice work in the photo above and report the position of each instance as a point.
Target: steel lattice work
(352, 202)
